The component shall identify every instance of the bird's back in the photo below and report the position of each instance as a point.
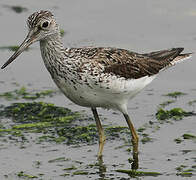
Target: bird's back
(124, 63)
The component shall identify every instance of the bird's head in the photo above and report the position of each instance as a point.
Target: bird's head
(41, 26)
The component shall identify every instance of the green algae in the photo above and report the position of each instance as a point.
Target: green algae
(70, 168)
(37, 112)
(185, 172)
(65, 174)
(38, 117)
(191, 103)
(1, 126)
(60, 159)
(178, 140)
(60, 139)
(141, 129)
(55, 123)
(175, 94)
(62, 32)
(42, 94)
(189, 136)
(26, 176)
(193, 166)
(134, 173)
(37, 164)
(22, 93)
(84, 134)
(6, 130)
(145, 139)
(166, 103)
(33, 125)
(10, 48)
(181, 168)
(175, 113)
(115, 132)
(80, 172)
(88, 134)
(8, 96)
(17, 9)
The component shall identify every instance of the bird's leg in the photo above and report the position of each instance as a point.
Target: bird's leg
(102, 137)
(135, 140)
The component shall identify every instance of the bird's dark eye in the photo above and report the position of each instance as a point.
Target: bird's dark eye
(45, 24)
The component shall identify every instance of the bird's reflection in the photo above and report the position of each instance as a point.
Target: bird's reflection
(102, 168)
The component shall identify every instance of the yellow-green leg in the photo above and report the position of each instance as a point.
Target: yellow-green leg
(102, 137)
(135, 140)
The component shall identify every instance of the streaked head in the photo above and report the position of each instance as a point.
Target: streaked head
(41, 25)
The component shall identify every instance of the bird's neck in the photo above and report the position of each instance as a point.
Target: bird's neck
(52, 53)
(52, 49)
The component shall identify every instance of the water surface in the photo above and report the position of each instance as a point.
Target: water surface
(140, 26)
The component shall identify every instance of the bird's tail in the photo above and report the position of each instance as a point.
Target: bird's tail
(180, 58)
(170, 56)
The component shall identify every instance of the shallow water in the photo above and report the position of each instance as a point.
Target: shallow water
(140, 26)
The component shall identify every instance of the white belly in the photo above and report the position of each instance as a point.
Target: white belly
(114, 96)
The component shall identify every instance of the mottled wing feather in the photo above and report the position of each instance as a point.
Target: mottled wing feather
(136, 69)
(131, 65)
(127, 64)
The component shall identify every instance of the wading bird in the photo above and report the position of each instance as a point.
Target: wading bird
(96, 76)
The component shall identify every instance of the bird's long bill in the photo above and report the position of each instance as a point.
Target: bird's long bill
(25, 44)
